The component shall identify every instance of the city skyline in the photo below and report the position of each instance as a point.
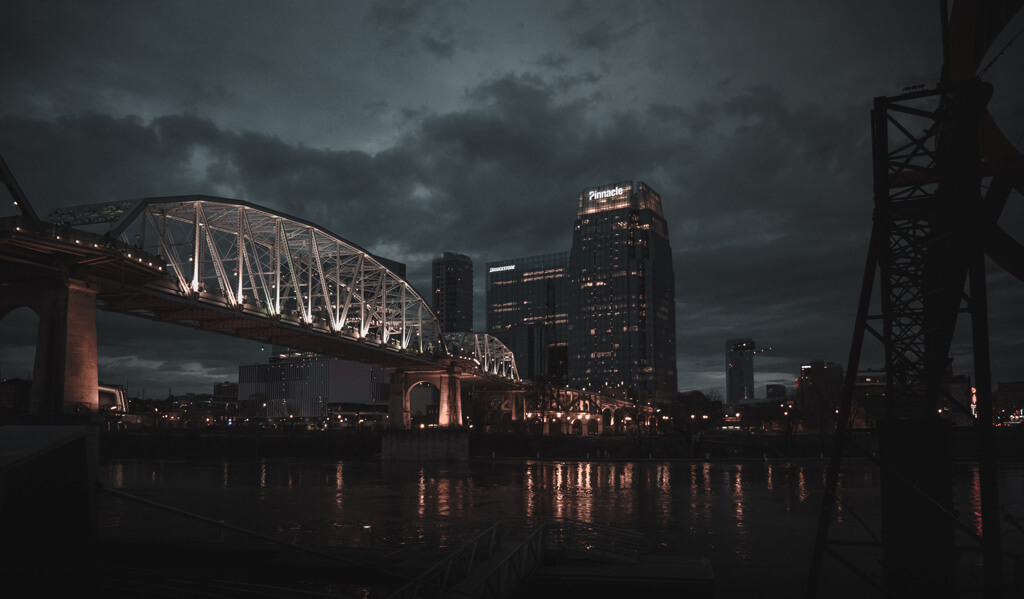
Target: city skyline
(416, 128)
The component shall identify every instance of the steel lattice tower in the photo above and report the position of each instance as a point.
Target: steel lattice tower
(942, 173)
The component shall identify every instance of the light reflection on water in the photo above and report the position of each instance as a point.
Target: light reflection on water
(657, 496)
(755, 520)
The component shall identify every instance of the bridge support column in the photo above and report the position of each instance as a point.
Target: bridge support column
(65, 377)
(398, 402)
(457, 396)
(450, 409)
(518, 403)
(444, 409)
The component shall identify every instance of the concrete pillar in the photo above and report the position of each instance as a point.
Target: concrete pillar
(444, 409)
(65, 378)
(449, 412)
(518, 404)
(398, 402)
(457, 400)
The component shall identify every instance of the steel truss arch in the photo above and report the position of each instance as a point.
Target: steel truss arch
(490, 354)
(242, 256)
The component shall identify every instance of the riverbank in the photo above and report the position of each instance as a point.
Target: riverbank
(366, 444)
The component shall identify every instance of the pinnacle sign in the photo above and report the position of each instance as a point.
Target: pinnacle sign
(604, 194)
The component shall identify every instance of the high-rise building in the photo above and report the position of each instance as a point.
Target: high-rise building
(452, 277)
(622, 319)
(739, 371)
(527, 309)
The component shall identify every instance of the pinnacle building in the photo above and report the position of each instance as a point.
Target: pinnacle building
(622, 294)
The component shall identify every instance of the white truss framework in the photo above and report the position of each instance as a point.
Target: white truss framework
(239, 255)
(492, 356)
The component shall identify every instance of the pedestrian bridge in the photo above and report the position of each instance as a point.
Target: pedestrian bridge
(235, 268)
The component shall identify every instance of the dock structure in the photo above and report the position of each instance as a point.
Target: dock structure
(554, 558)
(48, 503)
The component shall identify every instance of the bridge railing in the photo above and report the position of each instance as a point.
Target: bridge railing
(86, 239)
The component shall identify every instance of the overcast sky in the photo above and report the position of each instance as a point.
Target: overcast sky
(412, 127)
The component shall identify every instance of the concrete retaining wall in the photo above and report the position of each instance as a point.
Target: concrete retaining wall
(444, 444)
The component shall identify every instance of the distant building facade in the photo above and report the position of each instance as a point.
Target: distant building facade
(739, 371)
(527, 310)
(452, 278)
(775, 394)
(310, 386)
(622, 294)
(1008, 403)
(226, 391)
(818, 392)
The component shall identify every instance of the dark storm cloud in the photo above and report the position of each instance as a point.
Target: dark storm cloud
(605, 34)
(399, 21)
(553, 60)
(467, 178)
(397, 14)
(438, 48)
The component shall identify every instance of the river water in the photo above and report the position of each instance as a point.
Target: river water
(754, 520)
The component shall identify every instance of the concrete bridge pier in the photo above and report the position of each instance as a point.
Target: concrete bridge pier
(65, 377)
(449, 385)
(399, 413)
(450, 411)
(447, 443)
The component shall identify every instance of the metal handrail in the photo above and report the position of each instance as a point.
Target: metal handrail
(512, 571)
(451, 570)
(434, 582)
(222, 526)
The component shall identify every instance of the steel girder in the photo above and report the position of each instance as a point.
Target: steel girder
(238, 255)
(490, 354)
